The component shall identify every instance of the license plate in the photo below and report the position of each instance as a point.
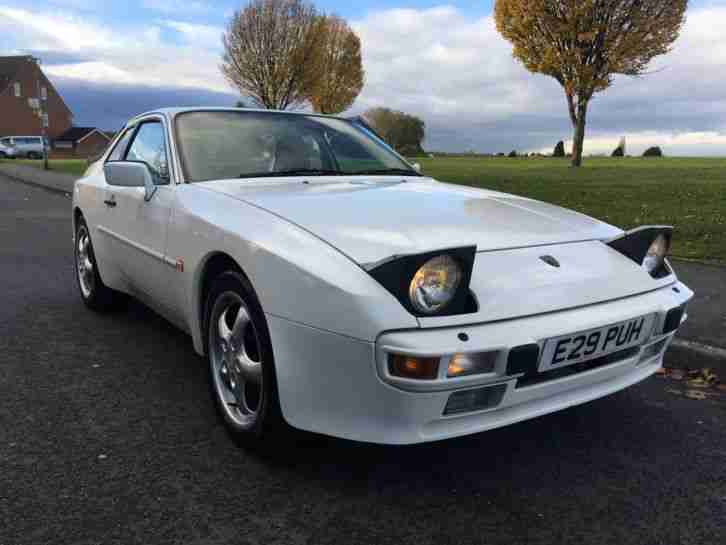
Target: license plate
(594, 343)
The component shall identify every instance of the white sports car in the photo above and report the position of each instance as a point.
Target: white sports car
(334, 288)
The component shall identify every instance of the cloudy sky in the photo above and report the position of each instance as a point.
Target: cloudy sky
(443, 62)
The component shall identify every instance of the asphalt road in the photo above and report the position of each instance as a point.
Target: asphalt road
(107, 435)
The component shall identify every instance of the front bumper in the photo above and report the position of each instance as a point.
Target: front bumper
(338, 386)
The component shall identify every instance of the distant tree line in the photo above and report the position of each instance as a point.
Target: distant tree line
(404, 132)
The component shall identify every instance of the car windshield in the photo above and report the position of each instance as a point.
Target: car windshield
(218, 145)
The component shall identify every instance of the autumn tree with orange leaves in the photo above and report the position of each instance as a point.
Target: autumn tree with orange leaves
(584, 43)
(341, 75)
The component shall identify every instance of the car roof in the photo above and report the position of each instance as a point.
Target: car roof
(172, 112)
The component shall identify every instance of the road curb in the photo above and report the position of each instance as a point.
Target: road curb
(684, 353)
(57, 190)
(50, 181)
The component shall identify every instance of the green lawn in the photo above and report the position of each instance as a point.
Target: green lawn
(687, 193)
(69, 166)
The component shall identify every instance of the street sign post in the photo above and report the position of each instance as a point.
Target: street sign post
(43, 115)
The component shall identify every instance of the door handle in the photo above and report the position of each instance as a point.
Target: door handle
(109, 202)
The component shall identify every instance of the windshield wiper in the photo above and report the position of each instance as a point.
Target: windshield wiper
(385, 171)
(293, 172)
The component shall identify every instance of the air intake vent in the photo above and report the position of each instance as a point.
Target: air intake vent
(468, 401)
(673, 319)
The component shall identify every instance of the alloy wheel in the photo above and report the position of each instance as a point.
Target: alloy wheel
(235, 357)
(84, 262)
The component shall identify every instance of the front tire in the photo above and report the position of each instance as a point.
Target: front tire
(94, 292)
(241, 365)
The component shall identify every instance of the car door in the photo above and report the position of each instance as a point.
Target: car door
(139, 227)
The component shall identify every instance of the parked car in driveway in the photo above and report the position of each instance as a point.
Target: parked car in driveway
(29, 147)
(334, 288)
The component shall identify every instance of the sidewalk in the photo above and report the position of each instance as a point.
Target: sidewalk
(706, 323)
(55, 181)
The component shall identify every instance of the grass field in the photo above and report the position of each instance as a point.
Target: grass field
(688, 193)
(67, 166)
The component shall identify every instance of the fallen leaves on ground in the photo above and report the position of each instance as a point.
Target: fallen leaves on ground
(703, 379)
(698, 382)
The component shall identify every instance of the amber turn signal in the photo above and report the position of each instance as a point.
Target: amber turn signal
(462, 365)
(413, 367)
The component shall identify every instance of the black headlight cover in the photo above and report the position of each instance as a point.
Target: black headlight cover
(395, 276)
(634, 244)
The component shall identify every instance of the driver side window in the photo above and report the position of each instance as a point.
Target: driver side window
(149, 146)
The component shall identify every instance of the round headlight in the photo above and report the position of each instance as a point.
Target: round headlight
(656, 254)
(434, 284)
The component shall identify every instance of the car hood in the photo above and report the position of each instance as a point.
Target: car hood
(373, 219)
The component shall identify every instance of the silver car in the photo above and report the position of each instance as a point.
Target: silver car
(6, 149)
(30, 147)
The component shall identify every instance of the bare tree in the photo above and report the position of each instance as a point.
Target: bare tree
(341, 76)
(271, 52)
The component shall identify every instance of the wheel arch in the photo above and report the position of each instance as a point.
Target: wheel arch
(77, 215)
(214, 264)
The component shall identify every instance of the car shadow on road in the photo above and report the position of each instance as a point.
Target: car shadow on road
(580, 444)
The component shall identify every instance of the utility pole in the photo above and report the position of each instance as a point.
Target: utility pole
(42, 114)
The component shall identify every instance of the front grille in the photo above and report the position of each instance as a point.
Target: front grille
(537, 378)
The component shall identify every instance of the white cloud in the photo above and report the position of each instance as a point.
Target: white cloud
(459, 75)
(207, 36)
(439, 61)
(454, 71)
(66, 33)
(135, 55)
(702, 143)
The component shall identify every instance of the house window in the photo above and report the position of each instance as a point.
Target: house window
(44, 93)
(17, 89)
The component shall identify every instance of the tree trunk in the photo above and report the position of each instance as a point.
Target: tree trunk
(579, 123)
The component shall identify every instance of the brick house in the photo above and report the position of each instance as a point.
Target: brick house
(19, 78)
(81, 142)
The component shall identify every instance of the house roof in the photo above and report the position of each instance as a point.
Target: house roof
(76, 134)
(9, 67)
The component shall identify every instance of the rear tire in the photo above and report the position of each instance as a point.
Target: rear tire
(94, 293)
(33, 155)
(241, 366)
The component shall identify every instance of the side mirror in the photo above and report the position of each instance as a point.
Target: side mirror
(130, 174)
(417, 167)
